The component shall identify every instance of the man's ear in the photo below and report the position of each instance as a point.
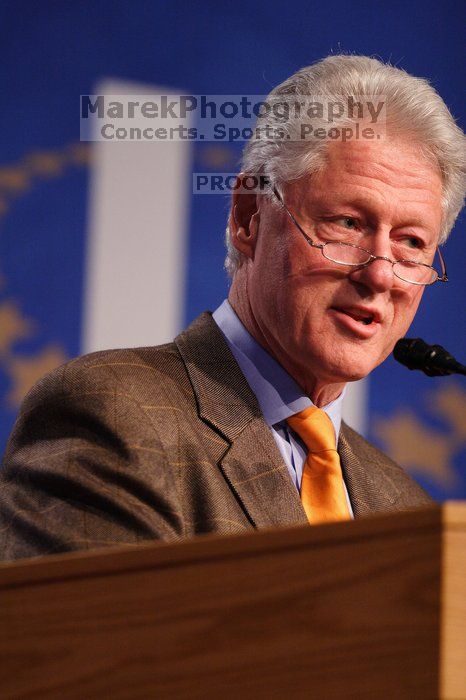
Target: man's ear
(244, 218)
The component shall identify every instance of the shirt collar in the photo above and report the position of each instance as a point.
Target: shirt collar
(279, 396)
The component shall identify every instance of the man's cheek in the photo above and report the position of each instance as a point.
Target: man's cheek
(410, 314)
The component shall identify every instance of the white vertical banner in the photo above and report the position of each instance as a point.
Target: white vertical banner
(355, 405)
(136, 249)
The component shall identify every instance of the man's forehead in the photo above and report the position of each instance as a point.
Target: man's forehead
(350, 168)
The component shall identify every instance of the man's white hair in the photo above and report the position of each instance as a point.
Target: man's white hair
(413, 109)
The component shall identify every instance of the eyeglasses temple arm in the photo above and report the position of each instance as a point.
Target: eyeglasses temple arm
(444, 277)
(296, 223)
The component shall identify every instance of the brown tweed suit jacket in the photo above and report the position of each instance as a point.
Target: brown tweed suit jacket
(164, 443)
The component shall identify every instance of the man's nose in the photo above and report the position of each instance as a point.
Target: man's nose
(377, 275)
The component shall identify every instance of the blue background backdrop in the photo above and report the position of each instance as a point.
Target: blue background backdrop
(51, 52)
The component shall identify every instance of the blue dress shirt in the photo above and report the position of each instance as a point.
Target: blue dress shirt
(279, 396)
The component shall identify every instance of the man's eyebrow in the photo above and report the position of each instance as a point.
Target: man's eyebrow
(365, 206)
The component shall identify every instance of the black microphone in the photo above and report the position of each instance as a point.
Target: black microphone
(433, 360)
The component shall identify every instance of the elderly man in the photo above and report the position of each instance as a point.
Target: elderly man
(237, 423)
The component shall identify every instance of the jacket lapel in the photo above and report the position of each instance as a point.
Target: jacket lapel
(370, 488)
(252, 464)
(256, 471)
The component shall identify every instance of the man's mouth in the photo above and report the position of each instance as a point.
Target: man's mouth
(364, 318)
(362, 315)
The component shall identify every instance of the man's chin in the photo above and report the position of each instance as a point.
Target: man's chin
(351, 362)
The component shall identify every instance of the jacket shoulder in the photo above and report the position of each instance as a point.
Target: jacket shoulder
(122, 370)
(86, 464)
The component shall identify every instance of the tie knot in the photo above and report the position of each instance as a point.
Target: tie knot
(315, 429)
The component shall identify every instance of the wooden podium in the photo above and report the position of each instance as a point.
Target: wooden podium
(374, 608)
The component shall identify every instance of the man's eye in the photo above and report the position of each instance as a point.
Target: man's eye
(413, 242)
(347, 222)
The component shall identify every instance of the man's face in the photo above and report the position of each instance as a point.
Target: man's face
(307, 311)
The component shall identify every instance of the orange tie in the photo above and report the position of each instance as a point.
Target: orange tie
(322, 489)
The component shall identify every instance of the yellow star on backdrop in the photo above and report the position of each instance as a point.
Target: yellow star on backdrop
(79, 154)
(417, 447)
(45, 163)
(450, 403)
(217, 156)
(25, 371)
(14, 179)
(13, 326)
